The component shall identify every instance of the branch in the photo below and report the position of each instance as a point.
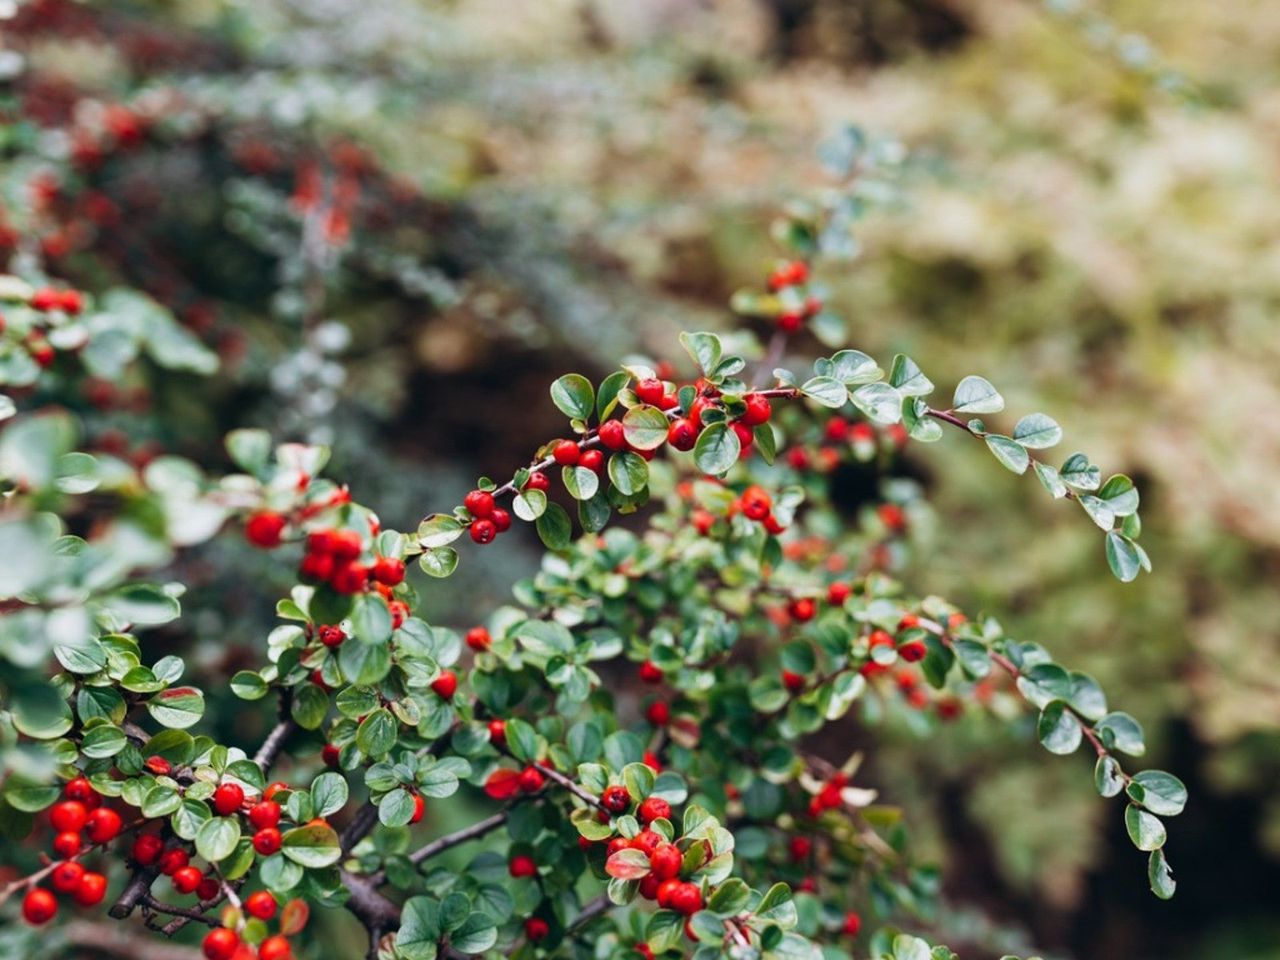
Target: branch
(447, 842)
(151, 903)
(109, 938)
(556, 776)
(593, 909)
(270, 749)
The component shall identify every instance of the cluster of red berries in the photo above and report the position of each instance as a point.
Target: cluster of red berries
(838, 432)
(489, 518)
(223, 943)
(332, 557)
(791, 275)
(75, 820)
(828, 796)
(47, 299)
(662, 883)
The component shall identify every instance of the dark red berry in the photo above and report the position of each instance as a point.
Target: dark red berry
(650, 672)
(539, 481)
(523, 866)
(612, 435)
(171, 861)
(651, 391)
(483, 531)
(654, 808)
(388, 571)
(266, 841)
(794, 682)
(616, 799)
(479, 503)
(66, 876)
(501, 519)
(147, 848)
(566, 453)
(682, 434)
(535, 928)
(658, 713)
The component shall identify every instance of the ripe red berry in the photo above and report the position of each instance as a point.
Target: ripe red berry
(502, 518)
(745, 436)
(220, 944)
(159, 766)
(264, 528)
(658, 713)
(646, 841)
(616, 799)
(260, 904)
(649, 886)
(665, 890)
(275, 948)
(566, 453)
(665, 861)
(651, 390)
(908, 621)
(38, 906)
(790, 321)
(651, 761)
(523, 866)
(419, 809)
(913, 651)
(702, 521)
(171, 861)
(650, 672)
(498, 731)
(266, 841)
(388, 570)
(682, 434)
(616, 844)
(802, 609)
(852, 924)
(891, 516)
(593, 460)
(332, 636)
(837, 593)
(535, 928)
(146, 850)
(78, 789)
(187, 879)
(208, 889)
(264, 814)
(66, 876)
(612, 435)
(349, 578)
(228, 798)
(345, 545)
(861, 432)
(446, 684)
(479, 503)
(756, 503)
(68, 816)
(103, 825)
(330, 754)
(654, 808)
(478, 639)
(758, 410)
(539, 481)
(67, 843)
(483, 531)
(795, 682)
(531, 779)
(686, 899)
(316, 566)
(800, 848)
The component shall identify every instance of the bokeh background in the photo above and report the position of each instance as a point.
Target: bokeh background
(1088, 215)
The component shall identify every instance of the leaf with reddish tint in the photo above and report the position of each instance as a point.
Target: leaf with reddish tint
(503, 784)
(294, 917)
(627, 865)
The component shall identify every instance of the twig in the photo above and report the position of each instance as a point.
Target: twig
(438, 846)
(556, 776)
(593, 909)
(270, 749)
(109, 938)
(149, 902)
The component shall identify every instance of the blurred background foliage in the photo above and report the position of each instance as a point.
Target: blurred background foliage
(547, 186)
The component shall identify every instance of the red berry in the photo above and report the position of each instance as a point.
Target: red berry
(802, 609)
(531, 779)
(330, 754)
(66, 876)
(478, 639)
(275, 948)
(665, 861)
(498, 731)
(479, 503)
(68, 816)
(67, 844)
(790, 321)
(908, 621)
(651, 390)
(616, 799)
(758, 410)
(264, 814)
(646, 841)
(419, 809)
(103, 825)
(535, 928)
(523, 866)
(837, 593)
(264, 528)
(891, 516)
(38, 906)
(228, 798)
(852, 924)
(649, 886)
(171, 861)
(332, 636)
(345, 545)
(756, 503)
(612, 435)
(913, 651)
(794, 682)
(651, 761)
(207, 890)
(483, 531)
(686, 899)
(539, 481)
(147, 848)
(78, 789)
(159, 766)
(260, 904)
(745, 436)
(388, 570)
(861, 432)
(502, 518)
(446, 684)
(654, 808)
(659, 713)
(650, 672)
(665, 891)
(593, 460)
(349, 578)
(702, 521)
(220, 944)
(316, 566)
(566, 453)
(187, 879)
(800, 848)
(266, 841)
(682, 434)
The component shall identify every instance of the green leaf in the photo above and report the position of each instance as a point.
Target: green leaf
(377, 734)
(1146, 831)
(704, 348)
(1107, 776)
(217, 838)
(419, 929)
(1161, 877)
(920, 426)
(1059, 729)
(645, 427)
(1036, 431)
(1120, 495)
(328, 794)
(177, 707)
(1051, 479)
(249, 449)
(439, 530)
(717, 449)
(309, 706)
(629, 472)
(370, 618)
(1159, 792)
(440, 562)
(312, 846)
(827, 391)
(607, 396)
(523, 740)
(976, 395)
(878, 402)
(1077, 472)
(573, 396)
(581, 482)
(476, 935)
(529, 505)
(909, 378)
(1119, 731)
(1124, 557)
(103, 740)
(396, 808)
(554, 527)
(850, 367)
(1012, 455)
